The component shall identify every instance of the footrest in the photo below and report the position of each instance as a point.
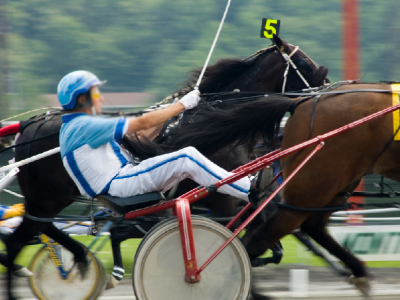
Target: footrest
(124, 205)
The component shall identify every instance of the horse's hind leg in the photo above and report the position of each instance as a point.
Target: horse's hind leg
(13, 246)
(15, 242)
(315, 228)
(119, 232)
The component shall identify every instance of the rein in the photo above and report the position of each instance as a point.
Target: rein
(335, 92)
(323, 209)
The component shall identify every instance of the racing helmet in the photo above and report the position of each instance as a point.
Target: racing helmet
(74, 84)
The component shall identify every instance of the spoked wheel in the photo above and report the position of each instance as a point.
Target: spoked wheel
(48, 284)
(159, 272)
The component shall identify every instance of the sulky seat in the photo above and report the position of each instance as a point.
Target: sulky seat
(124, 205)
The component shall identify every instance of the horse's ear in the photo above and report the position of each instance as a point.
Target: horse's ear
(281, 44)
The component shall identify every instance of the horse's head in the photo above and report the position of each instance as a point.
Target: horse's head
(313, 74)
(262, 72)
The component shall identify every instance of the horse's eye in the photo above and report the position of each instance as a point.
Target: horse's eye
(303, 66)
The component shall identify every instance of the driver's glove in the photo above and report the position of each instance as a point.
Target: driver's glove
(190, 100)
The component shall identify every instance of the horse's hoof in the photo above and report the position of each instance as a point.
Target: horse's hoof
(112, 283)
(22, 272)
(11, 297)
(257, 296)
(362, 283)
(83, 266)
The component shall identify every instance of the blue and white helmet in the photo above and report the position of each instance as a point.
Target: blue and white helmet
(74, 84)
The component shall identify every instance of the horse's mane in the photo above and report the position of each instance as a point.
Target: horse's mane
(223, 72)
(215, 129)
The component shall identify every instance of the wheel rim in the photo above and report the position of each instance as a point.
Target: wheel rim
(162, 270)
(47, 282)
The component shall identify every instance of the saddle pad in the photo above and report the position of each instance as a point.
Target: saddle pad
(396, 116)
(124, 205)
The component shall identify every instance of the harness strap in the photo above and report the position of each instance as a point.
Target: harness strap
(336, 92)
(323, 209)
(61, 218)
(316, 98)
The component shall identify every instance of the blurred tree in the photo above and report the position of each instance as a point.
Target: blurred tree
(3, 60)
(151, 45)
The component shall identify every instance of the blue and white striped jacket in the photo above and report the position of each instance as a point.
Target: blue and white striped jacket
(90, 151)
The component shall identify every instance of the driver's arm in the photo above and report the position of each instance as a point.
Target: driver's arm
(157, 117)
(151, 133)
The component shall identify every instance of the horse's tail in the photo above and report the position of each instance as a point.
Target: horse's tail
(9, 129)
(234, 126)
(142, 149)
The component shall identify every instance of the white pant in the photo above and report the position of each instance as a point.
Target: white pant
(162, 172)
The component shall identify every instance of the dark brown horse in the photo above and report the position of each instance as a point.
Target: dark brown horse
(226, 75)
(334, 171)
(47, 187)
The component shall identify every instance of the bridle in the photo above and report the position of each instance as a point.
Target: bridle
(289, 62)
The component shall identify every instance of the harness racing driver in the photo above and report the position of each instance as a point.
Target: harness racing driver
(96, 162)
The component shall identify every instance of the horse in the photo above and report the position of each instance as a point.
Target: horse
(333, 173)
(47, 187)
(216, 80)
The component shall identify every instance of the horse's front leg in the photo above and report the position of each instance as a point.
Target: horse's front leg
(315, 228)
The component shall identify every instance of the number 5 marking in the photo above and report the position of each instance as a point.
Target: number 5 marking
(268, 26)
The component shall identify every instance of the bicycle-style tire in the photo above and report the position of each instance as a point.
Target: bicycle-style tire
(159, 273)
(47, 284)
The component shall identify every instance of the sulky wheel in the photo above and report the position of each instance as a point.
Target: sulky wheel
(159, 273)
(47, 283)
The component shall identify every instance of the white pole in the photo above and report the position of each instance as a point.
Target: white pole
(7, 179)
(366, 211)
(213, 45)
(365, 219)
(298, 283)
(30, 159)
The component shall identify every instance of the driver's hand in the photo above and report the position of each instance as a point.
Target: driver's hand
(190, 100)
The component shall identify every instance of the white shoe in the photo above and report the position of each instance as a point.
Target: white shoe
(23, 272)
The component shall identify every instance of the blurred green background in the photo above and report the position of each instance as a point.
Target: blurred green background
(149, 46)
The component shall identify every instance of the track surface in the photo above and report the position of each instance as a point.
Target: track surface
(273, 281)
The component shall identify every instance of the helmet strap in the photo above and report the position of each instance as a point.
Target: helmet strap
(93, 111)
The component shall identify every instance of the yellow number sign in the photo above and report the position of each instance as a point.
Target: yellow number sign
(269, 27)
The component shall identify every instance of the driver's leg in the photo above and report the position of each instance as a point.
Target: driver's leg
(162, 172)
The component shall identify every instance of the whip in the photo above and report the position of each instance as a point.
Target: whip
(212, 46)
(196, 87)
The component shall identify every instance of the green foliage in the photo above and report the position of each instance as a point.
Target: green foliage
(151, 45)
